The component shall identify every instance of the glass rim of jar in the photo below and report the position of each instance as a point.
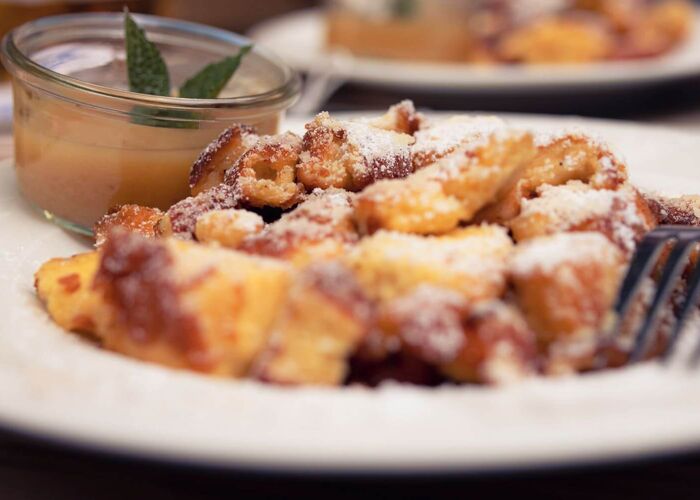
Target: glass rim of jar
(281, 95)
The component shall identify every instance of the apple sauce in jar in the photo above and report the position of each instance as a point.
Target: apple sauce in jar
(84, 144)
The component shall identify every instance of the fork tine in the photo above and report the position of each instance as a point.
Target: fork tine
(672, 271)
(691, 301)
(642, 263)
(640, 267)
(695, 357)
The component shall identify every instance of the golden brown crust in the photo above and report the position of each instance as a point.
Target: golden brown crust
(471, 261)
(227, 228)
(185, 305)
(180, 220)
(266, 173)
(487, 342)
(325, 317)
(135, 218)
(437, 198)
(320, 228)
(351, 155)
(560, 158)
(211, 165)
(623, 216)
(65, 287)
(565, 285)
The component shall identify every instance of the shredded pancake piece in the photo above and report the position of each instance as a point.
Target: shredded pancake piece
(265, 173)
(227, 228)
(471, 261)
(186, 305)
(565, 285)
(682, 210)
(324, 319)
(560, 158)
(486, 342)
(351, 155)
(135, 218)
(181, 219)
(622, 215)
(402, 118)
(435, 199)
(209, 168)
(320, 228)
(438, 138)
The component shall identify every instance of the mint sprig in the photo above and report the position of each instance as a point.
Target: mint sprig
(148, 74)
(146, 68)
(210, 81)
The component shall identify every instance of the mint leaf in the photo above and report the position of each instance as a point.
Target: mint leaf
(147, 71)
(404, 8)
(210, 81)
(165, 118)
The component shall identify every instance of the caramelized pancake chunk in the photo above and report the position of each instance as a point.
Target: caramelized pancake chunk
(682, 210)
(439, 138)
(471, 261)
(487, 342)
(322, 227)
(437, 198)
(65, 287)
(655, 29)
(565, 285)
(623, 216)
(266, 174)
(560, 158)
(181, 219)
(351, 155)
(135, 218)
(325, 317)
(402, 118)
(186, 305)
(227, 228)
(211, 165)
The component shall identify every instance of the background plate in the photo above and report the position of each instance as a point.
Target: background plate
(299, 39)
(58, 386)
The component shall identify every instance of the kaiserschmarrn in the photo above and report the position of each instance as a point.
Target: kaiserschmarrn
(396, 247)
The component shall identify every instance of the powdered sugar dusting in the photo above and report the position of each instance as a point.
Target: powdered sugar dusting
(574, 203)
(429, 319)
(480, 253)
(547, 253)
(444, 136)
(325, 215)
(184, 214)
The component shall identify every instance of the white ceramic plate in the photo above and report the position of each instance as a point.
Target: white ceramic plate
(57, 386)
(299, 39)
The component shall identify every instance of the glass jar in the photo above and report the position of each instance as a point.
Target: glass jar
(85, 144)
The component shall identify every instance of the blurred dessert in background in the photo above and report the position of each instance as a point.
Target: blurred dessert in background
(508, 31)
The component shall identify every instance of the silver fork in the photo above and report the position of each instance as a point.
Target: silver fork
(682, 239)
